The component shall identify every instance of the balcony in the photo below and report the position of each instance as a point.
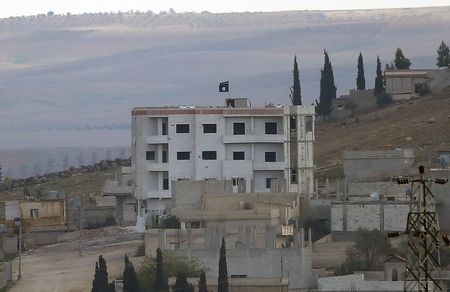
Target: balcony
(158, 139)
(279, 138)
(262, 165)
(285, 230)
(159, 194)
(157, 166)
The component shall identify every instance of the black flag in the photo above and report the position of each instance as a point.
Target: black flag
(224, 86)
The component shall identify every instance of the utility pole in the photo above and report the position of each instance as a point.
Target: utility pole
(19, 277)
(423, 261)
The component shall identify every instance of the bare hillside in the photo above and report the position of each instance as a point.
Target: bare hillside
(414, 124)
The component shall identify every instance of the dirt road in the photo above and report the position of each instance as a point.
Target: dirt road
(59, 268)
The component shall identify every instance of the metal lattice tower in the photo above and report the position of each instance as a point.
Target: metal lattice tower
(423, 261)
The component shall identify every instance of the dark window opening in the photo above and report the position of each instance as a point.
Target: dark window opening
(271, 128)
(209, 155)
(269, 182)
(270, 156)
(239, 155)
(308, 124)
(150, 155)
(183, 155)
(183, 128)
(293, 176)
(165, 183)
(293, 122)
(164, 156)
(230, 103)
(238, 128)
(164, 129)
(34, 213)
(209, 128)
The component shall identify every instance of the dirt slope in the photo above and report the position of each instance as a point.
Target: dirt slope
(413, 124)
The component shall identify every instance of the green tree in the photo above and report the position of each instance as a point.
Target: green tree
(202, 287)
(100, 282)
(379, 84)
(222, 283)
(383, 99)
(360, 79)
(443, 55)
(401, 62)
(1, 173)
(173, 266)
(296, 91)
(160, 281)
(327, 88)
(368, 252)
(182, 285)
(130, 280)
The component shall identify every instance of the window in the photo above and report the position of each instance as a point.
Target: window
(238, 128)
(239, 155)
(129, 183)
(209, 155)
(150, 155)
(165, 183)
(209, 128)
(269, 182)
(183, 128)
(34, 213)
(293, 176)
(270, 157)
(271, 128)
(164, 129)
(164, 156)
(308, 123)
(183, 155)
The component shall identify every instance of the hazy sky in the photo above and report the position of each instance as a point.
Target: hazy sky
(30, 7)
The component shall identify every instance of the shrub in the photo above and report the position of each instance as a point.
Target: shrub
(173, 266)
(422, 88)
(384, 99)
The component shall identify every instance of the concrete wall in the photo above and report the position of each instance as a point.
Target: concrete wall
(373, 166)
(245, 255)
(385, 189)
(5, 273)
(188, 194)
(384, 216)
(241, 284)
(94, 217)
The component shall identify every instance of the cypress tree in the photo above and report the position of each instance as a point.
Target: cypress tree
(327, 88)
(296, 91)
(182, 285)
(202, 287)
(130, 280)
(401, 62)
(100, 282)
(1, 173)
(222, 283)
(160, 283)
(360, 79)
(379, 86)
(443, 57)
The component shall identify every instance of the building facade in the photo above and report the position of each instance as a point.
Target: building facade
(267, 149)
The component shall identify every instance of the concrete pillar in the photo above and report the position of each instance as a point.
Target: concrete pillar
(252, 239)
(302, 237)
(241, 234)
(345, 189)
(316, 188)
(162, 239)
(309, 237)
(270, 237)
(327, 187)
(338, 190)
(189, 238)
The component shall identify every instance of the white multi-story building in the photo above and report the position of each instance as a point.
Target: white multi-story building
(259, 149)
